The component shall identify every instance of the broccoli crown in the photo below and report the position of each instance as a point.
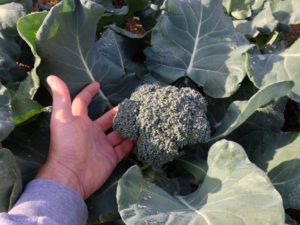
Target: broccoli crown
(162, 120)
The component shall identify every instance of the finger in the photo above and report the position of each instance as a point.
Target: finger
(115, 138)
(61, 107)
(124, 148)
(83, 99)
(106, 120)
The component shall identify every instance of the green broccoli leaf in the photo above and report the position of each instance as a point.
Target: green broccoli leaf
(286, 11)
(6, 120)
(239, 111)
(197, 168)
(245, 27)
(26, 3)
(149, 15)
(269, 118)
(217, 107)
(234, 192)
(112, 14)
(22, 103)
(196, 39)
(263, 22)
(278, 154)
(27, 28)
(264, 69)
(10, 12)
(65, 42)
(238, 9)
(135, 6)
(257, 5)
(11, 182)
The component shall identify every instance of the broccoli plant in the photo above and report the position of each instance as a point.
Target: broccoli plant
(242, 54)
(163, 120)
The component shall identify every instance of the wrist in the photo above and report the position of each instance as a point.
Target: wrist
(62, 175)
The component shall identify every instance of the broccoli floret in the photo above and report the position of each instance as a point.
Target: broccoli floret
(125, 123)
(162, 120)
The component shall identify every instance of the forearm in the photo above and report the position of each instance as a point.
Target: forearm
(45, 202)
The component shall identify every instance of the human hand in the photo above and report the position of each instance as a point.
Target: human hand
(81, 155)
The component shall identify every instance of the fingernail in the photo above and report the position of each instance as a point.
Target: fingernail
(51, 82)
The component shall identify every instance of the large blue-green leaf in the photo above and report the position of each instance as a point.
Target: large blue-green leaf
(65, 42)
(287, 11)
(11, 182)
(238, 9)
(217, 107)
(246, 27)
(239, 111)
(234, 192)
(264, 69)
(149, 15)
(136, 5)
(268, 118)
(6, 120)
(10, 12)
(112, 14)
(196, 39)
(23, 105)
(27, 27)
(263, 22)
(192, 166)
(257, 5)
(197, 168)
(278, 154)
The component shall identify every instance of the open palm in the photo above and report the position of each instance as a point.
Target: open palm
(81, 156)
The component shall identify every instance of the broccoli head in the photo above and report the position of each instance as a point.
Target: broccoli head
(162, 120)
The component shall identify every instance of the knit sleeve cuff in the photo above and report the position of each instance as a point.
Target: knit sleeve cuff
(46, 198)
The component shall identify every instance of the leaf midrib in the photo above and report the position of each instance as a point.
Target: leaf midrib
(87, 69)
(190, 67)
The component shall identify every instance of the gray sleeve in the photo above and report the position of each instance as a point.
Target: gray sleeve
(45, 202)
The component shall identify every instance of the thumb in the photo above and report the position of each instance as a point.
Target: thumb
(61, 107)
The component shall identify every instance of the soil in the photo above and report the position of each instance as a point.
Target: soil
(292, 117)
(295, 214)
(293, 35)
(49, 3)
(118, 3)
(134, 26)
